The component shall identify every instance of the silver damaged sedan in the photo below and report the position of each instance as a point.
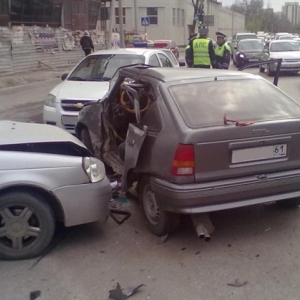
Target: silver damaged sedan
(46, 176)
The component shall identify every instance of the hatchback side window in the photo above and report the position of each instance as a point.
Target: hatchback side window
(153, 61)
(165, 61)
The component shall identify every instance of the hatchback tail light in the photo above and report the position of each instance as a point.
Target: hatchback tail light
(184, 161)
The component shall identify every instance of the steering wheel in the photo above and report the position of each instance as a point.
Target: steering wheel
(128, 102)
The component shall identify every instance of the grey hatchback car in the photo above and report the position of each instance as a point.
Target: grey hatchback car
(196, 140)
(46, 176)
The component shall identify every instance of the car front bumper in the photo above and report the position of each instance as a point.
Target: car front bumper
(286, 67)
(84, 203)
(206, 197)
(57, 117)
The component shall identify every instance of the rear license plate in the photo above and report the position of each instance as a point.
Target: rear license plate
(69, 120)
(259, 153)
(253, 59)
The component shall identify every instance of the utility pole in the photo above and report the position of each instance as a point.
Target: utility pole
(121, 24)
(135, 16)
(111, 23)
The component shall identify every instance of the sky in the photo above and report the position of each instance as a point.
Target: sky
(275, 4)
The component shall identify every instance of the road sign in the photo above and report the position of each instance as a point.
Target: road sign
(145, 21)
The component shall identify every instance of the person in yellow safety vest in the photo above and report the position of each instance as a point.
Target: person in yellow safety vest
(222, 52)
(202, 51)
(188, 60)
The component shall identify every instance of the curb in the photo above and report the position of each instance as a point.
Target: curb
(21, 87)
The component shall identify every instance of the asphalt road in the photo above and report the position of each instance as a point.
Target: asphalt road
(258, 246)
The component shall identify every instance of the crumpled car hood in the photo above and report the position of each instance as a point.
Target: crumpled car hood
(12, 133)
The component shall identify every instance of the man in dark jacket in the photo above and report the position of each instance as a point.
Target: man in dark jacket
(202, 51)
(87, 43)
(188, 59)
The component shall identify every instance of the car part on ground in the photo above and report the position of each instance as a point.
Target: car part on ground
(46, 176)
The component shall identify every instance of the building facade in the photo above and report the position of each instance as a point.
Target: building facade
(170, 19)
(292, 11)
(70, 14)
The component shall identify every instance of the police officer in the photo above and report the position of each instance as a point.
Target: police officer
(188, 60)
(202, 52)
(222, 52)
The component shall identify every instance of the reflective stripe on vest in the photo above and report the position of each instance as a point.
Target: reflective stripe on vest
(219, 50)
(201, 52)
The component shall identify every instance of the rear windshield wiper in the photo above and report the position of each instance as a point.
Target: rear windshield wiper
(100, 79)
(75, 78)
(236, 123)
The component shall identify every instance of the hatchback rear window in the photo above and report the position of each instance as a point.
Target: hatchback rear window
(204, 104)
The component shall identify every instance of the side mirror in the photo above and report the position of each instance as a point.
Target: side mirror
(64, 76)
(181, 64)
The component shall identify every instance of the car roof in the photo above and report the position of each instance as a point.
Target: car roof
(138, 51)
(246, 40)
(282, 41)
(246, 33)
(174, 74)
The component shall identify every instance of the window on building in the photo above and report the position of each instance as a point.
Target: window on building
(178, 17)
(117, 15)
(3, 7)
(36, 12)
(174, 16)
(152, 14)
(182, 17)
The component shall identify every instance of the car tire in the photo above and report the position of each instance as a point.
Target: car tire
(85, 138)
(27, 225)
(158, 222)
(289, 203)
(261, 69)
(269, 72)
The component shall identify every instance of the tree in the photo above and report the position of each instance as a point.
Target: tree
(260, 19)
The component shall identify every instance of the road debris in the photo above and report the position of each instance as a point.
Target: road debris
(163, 239)
(121, 294)
(35, 294)
(268, 229)
(184, 248)
(237, 283)
(257, 255)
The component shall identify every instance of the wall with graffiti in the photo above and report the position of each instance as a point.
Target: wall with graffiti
(25, 48)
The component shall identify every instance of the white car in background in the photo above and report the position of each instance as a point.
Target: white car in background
(287, 50)
(89, 81)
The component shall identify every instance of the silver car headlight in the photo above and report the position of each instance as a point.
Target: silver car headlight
(50, 101)
(94, 169)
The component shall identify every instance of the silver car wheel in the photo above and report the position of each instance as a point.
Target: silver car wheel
(19, 227)
(151, 208)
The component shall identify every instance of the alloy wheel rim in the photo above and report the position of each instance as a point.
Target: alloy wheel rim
(19, 227)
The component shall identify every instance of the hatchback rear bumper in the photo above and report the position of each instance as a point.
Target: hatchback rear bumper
(220, 195)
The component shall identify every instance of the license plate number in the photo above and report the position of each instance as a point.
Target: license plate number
(259, 153)
(253, 59)
(69, 120)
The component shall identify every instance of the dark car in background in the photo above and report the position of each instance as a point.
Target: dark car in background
(167, 44)
(247, 51)
(239, 37)
(191, 151)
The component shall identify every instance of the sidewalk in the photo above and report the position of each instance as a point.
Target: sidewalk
(20, 79)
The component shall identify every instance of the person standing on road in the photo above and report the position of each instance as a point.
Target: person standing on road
(87, 43)
(222, 52)
(202, 51)
(188, 60)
